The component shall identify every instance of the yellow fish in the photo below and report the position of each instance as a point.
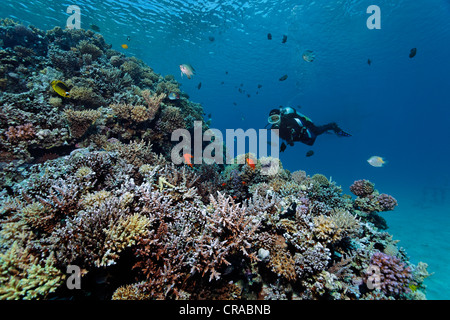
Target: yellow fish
(187, 69)
(60, 88)
(376, 161)
(124, 46)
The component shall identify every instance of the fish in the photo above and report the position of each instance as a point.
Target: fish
(187, 159)
(174, 96)
(376, 161)
(211, 38)
(60, 88)
(309, 153)
(283, 147)
(95, 28)
(259, 86)
(369, 62)
(223, 82)
(128, 38)
(234, 103)
(269, 36)
(284, 39)
(283, 78)
(413, 52)
(187, 69)
(209, 116)
(199, 85)
(124, 46)
(251, 163)
(308, 56)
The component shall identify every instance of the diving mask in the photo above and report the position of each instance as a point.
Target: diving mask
(274, 119)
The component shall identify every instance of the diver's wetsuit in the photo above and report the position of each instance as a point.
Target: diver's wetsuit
(296, 127)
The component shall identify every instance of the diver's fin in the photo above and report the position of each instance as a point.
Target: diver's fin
(342, 133)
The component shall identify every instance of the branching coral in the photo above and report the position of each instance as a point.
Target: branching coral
(23, 276)
(153, 102)
(21, 132)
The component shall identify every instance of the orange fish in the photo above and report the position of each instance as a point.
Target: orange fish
(224, 184)
(124, 46)
(187, 159)
(251, 163)
(244, 183)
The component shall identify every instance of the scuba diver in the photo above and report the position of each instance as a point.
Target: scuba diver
(294, 126)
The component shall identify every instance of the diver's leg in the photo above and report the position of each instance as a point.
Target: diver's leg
(333, 126)
(318, 130)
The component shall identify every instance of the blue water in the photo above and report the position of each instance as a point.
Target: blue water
(397, 107)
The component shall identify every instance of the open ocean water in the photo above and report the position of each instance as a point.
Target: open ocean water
(396, 107)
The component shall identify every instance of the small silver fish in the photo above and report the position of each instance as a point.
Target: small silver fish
(376, 161)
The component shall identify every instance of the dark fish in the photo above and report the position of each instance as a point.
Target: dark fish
(222, 82)
(129, 38)
(269, 36)
(369, 62)
(413, 52)
(283, 77)
(259, 86)
(284, 38)
(209, 116)
(309, 153)
(248, 95)
(95, 28)
(199, 85)
(283, 147)
(235, 103)
(211, 38)
(226, 72)
(241, 84)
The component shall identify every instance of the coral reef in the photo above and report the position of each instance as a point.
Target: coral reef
(87, 181)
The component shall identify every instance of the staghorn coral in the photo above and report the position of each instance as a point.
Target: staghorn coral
(23, 132)
(153, 102)
(23, 276)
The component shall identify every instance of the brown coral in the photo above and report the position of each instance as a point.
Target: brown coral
(21, 132)
(81, 121)
(153, 102)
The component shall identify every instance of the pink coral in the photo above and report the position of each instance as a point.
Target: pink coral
(21, 133)
(394, 276)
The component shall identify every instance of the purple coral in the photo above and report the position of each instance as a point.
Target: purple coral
(394, 276)
(386, 202)
(362, 188)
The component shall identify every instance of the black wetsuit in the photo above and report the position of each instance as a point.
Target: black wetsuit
(296, 127)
